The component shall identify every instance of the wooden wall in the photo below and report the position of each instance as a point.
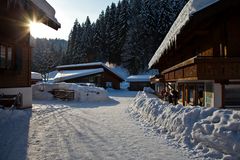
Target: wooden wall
(138, 86)
(100, 80)
(214, 43)
(13, 31)
(110, 78)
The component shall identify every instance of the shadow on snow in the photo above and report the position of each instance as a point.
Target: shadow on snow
(14, 129)
(77, 104)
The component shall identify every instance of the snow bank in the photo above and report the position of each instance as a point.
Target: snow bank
(81, 93)
(214, 132)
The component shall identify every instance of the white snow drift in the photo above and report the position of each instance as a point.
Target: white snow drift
(213, 132)
(81, 93)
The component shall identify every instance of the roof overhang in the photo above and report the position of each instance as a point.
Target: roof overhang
(37, 10)
(46, 13)
(191, 10)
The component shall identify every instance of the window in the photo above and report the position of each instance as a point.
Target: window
(191, 95)
(181, 93)
(6, 56)
(9, 57)
(2, 56)
(200, 94)
(109, 84)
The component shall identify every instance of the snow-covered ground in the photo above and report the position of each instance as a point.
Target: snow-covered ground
(205, 132)
(80, 130)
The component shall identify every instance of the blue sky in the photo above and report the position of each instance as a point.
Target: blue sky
(67, 11)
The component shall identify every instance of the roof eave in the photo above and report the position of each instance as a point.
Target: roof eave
(49, 18)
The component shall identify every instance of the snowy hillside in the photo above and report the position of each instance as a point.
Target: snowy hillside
(210, 132)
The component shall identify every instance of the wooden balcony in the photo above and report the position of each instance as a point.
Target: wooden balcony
(205, 68)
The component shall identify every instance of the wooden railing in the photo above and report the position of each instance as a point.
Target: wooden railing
(218, 68)
(205, 68)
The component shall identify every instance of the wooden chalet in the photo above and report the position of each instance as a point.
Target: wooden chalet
(96, 73)
(15, 49)
(200, 56)
(138, 82)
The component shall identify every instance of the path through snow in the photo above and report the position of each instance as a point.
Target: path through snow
(93, 130)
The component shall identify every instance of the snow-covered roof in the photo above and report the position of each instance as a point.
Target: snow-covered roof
(70, 74)
(36, 76)
(47, 9)
(89, 65)
(190, 8)
(139, 78)
(80, 65)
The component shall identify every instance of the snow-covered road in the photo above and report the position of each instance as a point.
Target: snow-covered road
(94, 131)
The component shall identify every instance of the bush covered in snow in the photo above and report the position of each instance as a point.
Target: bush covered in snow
(42, 91)
(212, 131)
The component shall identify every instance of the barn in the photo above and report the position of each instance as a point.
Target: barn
(96, 73)
(138, 82)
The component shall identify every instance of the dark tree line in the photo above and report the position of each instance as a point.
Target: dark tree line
(126, 34)
(47, 54)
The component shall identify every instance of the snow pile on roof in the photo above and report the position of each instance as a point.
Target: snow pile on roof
(190, 8)
(210, 132)
(52, 74)
(139, 78)
(89, 65)
(81, 93)
(47, 9)
(80, 65)
(71, 74)
(120, 71)
(35, 75)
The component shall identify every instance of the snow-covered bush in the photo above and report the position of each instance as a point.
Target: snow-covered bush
(81, 93)
(215, 132)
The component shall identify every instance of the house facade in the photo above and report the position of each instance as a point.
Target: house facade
(15, 49)
(96, 73)
(200, 57)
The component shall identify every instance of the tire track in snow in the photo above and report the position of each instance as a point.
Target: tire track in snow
(102, 132)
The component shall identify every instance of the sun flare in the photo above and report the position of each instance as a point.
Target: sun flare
(35, 28)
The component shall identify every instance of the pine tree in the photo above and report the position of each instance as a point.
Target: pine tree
(86, 41)
(132, 50)
(99, 39)
(72, 45)
(123, 22)
(127, 34)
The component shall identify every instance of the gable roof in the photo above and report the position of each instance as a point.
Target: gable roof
(90, 65)
(191, 8)
(71, 74)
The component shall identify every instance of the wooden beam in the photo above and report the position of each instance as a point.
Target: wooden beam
(180, 65)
